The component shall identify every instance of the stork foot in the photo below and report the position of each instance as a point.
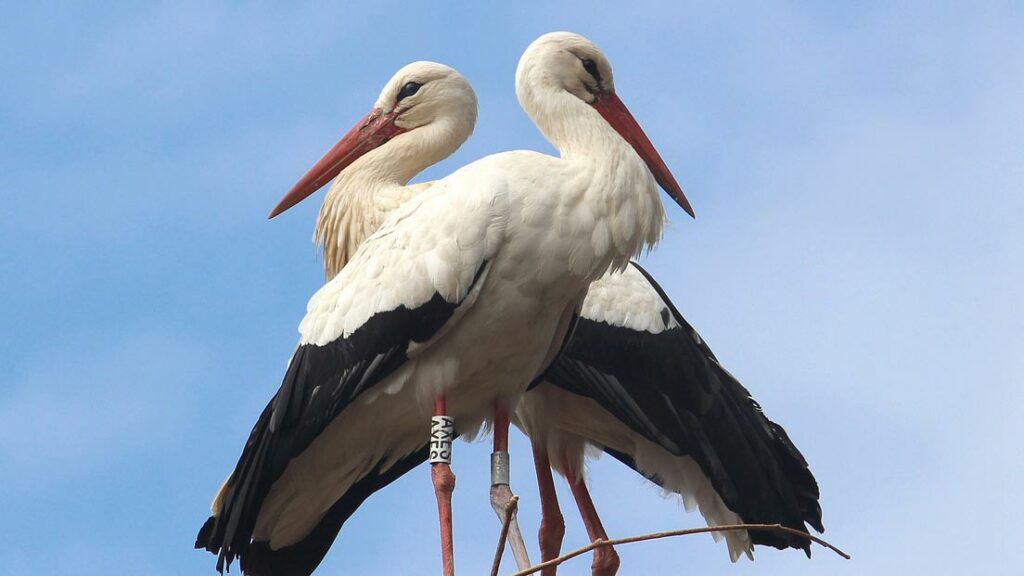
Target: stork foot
(501, 495)
(606, 561)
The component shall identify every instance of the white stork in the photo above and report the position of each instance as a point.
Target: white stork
(636, 380)
(458, 301)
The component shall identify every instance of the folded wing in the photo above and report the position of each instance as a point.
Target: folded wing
(648, 368)
(399, 292)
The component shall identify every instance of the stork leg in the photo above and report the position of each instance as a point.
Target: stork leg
(501, 493)
(552, 525)
(442, 432)
(606, 559)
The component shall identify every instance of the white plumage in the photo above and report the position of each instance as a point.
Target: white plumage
(505, 248)
(465, 288)
(627, 300)
(564, 423)
(516, 215)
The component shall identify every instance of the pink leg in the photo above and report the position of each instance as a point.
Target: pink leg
(444, 485)
(501, 425)
(552, 525)
(606, 560)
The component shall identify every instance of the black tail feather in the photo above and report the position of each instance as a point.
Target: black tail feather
(794, 485)
(302, 558)
(227, 533)
(776, 485)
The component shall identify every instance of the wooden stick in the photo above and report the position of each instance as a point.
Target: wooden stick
(671, 533)
(510, 511)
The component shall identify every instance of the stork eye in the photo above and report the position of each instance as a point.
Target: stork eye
(591, 69)
(408, 90)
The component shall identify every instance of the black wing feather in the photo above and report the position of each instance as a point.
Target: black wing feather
(320, 383)
(302, 558)
(670, 388)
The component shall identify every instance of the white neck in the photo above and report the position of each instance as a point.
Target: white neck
(362, 196)
(352, 210)
(619, 179)
(572, 126)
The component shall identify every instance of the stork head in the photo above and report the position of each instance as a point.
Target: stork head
(427, 107)
(561, 68)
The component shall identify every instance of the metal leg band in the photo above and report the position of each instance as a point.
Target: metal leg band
(499, 468)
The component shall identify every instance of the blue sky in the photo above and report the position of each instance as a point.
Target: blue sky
(857, 262)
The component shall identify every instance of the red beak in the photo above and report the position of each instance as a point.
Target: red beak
(615, 113)
(371, 132)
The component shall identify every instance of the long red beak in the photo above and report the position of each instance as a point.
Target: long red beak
(371, 132)
(615, 113)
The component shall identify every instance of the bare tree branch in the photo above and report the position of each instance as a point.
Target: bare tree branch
(510, 512)
(671, 533)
